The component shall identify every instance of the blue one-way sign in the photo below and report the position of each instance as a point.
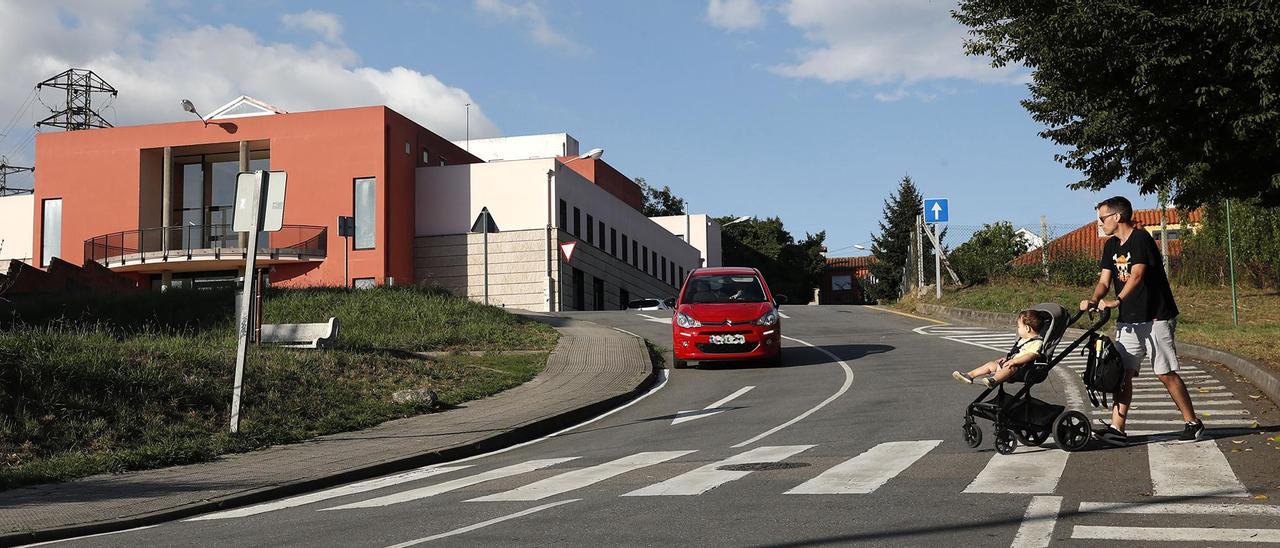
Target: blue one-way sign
(935, 211)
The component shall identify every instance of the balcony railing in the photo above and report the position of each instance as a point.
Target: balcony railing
(203, 242)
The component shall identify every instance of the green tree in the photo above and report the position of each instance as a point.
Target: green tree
(1255, 239)
(987, 253)
(660, 202)
(1179, 94)
(892, 247)
(792, 268)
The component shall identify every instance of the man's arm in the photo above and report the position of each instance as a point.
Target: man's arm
(1136, 273)
(1099, 291)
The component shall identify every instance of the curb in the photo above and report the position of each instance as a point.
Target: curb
(1262, 377)
(516, 435)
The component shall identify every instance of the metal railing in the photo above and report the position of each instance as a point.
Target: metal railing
(216, 242)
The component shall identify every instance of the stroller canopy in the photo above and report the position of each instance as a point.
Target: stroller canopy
(1058, 318)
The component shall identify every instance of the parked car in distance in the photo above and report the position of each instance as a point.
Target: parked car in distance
(727, 314)
(647, 304)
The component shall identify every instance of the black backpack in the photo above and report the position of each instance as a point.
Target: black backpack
(1104, 372)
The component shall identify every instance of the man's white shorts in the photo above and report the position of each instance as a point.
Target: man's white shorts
(1136, 341)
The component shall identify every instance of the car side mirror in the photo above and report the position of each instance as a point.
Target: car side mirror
(779, 300)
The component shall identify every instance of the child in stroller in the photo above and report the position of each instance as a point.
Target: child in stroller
(1031, 324)
(1019, 417)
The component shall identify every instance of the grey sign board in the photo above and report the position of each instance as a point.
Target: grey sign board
(246, 205)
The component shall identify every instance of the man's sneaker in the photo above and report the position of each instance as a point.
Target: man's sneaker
(1193, 431)
(961, 377)
(1112, 437)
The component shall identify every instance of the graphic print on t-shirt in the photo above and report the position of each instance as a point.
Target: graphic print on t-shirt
(1122, 265)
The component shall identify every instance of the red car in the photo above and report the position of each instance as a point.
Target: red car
(727, 314)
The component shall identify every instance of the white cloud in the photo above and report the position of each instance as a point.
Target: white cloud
(885, 42)
(735, 14)
(530, 14)
(325, 24)
(154, 70)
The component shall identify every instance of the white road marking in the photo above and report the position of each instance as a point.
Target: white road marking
(433, 490)
(784, 316)
(627, 332)
(1029, 470)
(1209, 422)
(1165, 435)
(1174, 411)
(1180, 508)
(46, 543)
(713, 409)
(705, 478)
(341, 491)
(1192, 470)
(1038, 523)
(584, 477)
(848, 381)
(649, 318)
(867, 472)
(1161, 390)
(482, 524)
(1176, 534)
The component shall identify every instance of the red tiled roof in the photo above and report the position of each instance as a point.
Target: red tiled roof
(850, 262)
(1085, 240)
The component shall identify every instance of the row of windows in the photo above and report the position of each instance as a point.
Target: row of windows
(640, 256)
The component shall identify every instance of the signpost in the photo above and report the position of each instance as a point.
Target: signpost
(259, 207)
(484, 224)
(346, 229)
(935, 212)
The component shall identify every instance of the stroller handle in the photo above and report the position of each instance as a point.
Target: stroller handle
(1103, 315)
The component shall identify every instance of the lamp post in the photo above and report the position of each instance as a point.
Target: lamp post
(593, 154)
(738, 220)
(188, 106)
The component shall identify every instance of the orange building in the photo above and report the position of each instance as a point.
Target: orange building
(155, 201)
(1088, 240)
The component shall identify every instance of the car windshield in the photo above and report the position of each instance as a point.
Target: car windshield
(724, 288)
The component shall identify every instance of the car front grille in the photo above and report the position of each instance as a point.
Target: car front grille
(727, 348)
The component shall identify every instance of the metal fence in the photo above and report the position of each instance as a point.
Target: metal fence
(192, 241)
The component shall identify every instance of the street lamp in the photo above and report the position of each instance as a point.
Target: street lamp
(738, 220)
(189, 107)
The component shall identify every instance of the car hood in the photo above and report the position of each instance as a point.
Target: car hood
(718, 313)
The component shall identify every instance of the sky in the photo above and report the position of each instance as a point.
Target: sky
(809, 110)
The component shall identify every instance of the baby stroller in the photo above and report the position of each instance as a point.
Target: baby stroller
(1020, 418)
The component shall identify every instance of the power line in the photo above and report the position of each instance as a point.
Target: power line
(22, 109)
(77, 113)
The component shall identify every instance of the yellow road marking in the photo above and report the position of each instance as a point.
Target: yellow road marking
(892, 311)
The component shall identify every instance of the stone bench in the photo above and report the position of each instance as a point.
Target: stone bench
(301, 335)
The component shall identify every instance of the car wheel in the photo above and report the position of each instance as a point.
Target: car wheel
(678, 363)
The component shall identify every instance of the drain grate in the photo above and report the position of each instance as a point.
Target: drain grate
(761, 466)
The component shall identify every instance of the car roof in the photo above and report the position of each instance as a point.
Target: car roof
(723, 270)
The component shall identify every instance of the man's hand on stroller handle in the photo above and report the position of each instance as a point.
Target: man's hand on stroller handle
(1104, 304)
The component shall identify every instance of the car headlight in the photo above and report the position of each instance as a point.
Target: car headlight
(769, 318)
(683, 320)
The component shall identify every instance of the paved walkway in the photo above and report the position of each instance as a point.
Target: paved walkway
(592, 369)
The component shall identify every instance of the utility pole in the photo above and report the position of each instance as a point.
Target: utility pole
(1044, 246)
(5, 171)
(78, 112)
(919, 239)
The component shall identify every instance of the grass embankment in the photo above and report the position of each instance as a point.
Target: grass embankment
(142, 381)
(1205, 312)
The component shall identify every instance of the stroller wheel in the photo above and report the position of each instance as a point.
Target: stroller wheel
(1071, 430)
(972, 435)
(1031, 437)
(1006, 441)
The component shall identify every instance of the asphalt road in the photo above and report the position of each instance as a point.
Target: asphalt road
(855, 439)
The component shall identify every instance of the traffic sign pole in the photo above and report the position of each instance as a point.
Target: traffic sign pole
(246, 297)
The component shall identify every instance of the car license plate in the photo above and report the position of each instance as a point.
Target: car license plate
(728, 339)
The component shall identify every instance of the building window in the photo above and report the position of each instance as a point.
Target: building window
(601, 243)
(365, 212)
(443, 161)
(577, 223)
(654, 272)
(408, 149)
(564, 215)
(591, 222)
(841, 282)
(613, 242)
(624, 248)
(635, 255)
(426, 158)
(680, 280)
(645, 259)
(663, 271)
(51, 231)
(672, 278)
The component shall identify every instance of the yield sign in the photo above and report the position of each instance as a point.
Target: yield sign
(567, 249)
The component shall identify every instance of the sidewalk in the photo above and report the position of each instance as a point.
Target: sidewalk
(591, 370)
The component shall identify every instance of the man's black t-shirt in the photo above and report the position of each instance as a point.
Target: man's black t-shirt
(1153, 299)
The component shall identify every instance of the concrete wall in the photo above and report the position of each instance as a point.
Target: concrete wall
(522, 147)
(705, 234)
(596, 264)
(16, 224)
(517, 266)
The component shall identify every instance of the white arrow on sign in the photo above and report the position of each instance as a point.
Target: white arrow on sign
(937, 210)
(713, 409)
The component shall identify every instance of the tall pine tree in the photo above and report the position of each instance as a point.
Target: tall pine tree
(892, 248)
